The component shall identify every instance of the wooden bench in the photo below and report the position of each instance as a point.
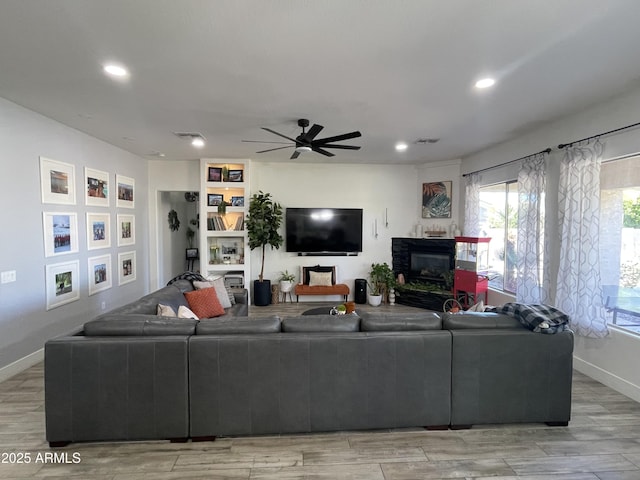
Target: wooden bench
(334, 289)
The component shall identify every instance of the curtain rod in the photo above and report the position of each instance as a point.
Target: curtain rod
(546, 150)
(565, 145)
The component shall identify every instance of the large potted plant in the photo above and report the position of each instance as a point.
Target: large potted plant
(262, 223)
(381, 280)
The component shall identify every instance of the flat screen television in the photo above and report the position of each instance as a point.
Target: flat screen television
(323, 230)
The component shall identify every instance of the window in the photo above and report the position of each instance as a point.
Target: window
(499, 220)
(620, 241)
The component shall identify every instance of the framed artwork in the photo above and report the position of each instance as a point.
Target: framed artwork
(126, 229)
(57, 180)
(214, 199)
(62, 283)
(98, 231)
(237, 201)
(191, 253)
(436, 199)
(60, 233)
(235, 175)
(126, 190)
(99, 273)
(126, 267)
(215, 174)
(96, 184)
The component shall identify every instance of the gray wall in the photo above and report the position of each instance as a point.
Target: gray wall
(25, 324)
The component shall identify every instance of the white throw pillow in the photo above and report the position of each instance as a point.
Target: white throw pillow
(185, 312)
(319, 279)
(165, 311)
(221, 290)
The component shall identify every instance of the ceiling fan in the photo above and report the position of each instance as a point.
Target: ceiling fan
(306, 141)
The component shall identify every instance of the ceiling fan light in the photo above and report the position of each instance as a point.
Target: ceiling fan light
(303, 149)
(197, 142)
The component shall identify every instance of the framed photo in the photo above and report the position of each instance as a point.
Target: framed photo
(191, 253)
(57, 180)
(62, 283)
(215, 174)
(235, 175)
(436, 199)
(237, 201)
(214, 199)
(126, 229)
(99, 273)
(96, 184)
(126, 267)
(60, 233)
(98, 231)
(126, 191)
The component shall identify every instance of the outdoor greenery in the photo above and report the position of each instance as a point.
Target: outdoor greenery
(631, 213)
(262, 223)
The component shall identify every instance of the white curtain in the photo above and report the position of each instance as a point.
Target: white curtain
(579, 292)
(472, 206)
(532, 182)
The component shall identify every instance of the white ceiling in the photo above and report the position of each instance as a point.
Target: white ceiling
(395, 70)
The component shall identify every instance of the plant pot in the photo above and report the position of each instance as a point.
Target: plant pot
(375, 300)
(285, 286)
(261, 292)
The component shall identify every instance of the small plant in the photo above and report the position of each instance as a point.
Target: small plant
(286, 277)
(222, 207)
(382, 278)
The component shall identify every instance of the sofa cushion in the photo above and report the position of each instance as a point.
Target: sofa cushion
(454, 321)
(204, 303)
(185, 312)
(320, 279)
(138, 325)
(393, 322)
(165, 311)
(239, 325)
(321, 323)
(221, 291)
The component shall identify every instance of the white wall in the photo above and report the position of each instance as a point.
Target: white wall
(610, 360)
(24, 322)
(386, 193)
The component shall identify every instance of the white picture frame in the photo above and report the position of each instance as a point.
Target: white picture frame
(99, 270)
(126, 267)
(57, 182)
(62, 283)
(98, 231)
(125, 191)
(126, 229)
(96, 187)
(60, 231)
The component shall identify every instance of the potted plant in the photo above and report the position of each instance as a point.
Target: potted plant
(286, 281)
(262, 222)
(381, 280)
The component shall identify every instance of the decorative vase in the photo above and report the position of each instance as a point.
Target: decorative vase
(375, 300)
(285, 286)
(392, 296)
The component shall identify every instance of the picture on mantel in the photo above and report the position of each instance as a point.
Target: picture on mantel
(436, 199)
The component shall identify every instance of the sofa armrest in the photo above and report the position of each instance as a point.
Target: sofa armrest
(241, 295)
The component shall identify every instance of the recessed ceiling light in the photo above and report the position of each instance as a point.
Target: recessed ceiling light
(485, 83)
(116, 70)
(197, 142)
(401, 146)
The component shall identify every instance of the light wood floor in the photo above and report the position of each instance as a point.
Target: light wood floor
(602, 442)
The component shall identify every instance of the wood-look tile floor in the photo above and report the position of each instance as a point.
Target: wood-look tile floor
(601, 442)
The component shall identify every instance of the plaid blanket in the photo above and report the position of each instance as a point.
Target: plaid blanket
(538, 318)
(188, 276)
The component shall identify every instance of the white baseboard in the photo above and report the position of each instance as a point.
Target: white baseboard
(607, 378)
(21, 365)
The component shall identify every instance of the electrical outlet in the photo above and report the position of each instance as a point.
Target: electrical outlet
(8, 276)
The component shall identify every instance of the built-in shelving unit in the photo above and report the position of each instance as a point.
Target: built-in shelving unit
(224, 244)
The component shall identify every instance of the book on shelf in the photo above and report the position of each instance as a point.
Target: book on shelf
(215, 222)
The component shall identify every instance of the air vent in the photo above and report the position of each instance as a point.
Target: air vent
(188, 135)
(423, 141)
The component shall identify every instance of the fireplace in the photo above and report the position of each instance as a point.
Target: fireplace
(428, 262)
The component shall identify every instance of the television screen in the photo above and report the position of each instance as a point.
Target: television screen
(323, 230)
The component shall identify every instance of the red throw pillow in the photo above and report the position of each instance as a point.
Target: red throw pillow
(204, 303)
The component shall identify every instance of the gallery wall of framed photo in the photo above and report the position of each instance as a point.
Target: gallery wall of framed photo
(69, 217)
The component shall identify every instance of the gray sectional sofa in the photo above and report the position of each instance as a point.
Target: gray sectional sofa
(130, 375)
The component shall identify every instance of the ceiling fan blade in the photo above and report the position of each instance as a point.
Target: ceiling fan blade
(279, 134)
(295, 155)
(323, 152)
(277, 148)
(344, 147)
(313, 131)
(337, 138)
(262, 141)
